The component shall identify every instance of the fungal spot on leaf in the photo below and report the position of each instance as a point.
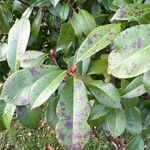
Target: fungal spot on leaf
(73, 147)
(69, 124)
(68, 117)
(87, 134)
(61, 104)
(60, 135)
(138, 27)
(89, 41)
(22, 102)
(77, 136)
(20, 109)
(122, 12)
(77, 85)
(126, 32)
(63, 109)
(137, 44)
(87, 108)
(33, 71)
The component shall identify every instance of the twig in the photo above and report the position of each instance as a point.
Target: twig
(118, 142)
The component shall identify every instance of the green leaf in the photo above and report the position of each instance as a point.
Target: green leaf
(138, 1)
(17, 87)
(28, 12)
(131, 12)
(54, 22)
(146, 81)
(17, 7)
(66, 36)
(133, 121)
(82, 22)
(147, 122)
(79, 2)
(130, 103)
(99, 111)
(42, 3)
(100, 67)
(85, 65)
(36, 25)
(106, 93)
(51, 116)
(129, 57)
(5, 18)
(6, 114)
(32, 59)
(98, 39)
(137, 143)
(120, 3)
(73, 110)
(64, 11)
(29, 118)
(2, 107)
(54, 2)
(43, 88)
(147, 2)
(116, 122)
(55, 11)
(3, 51)
(134, 89)
(124, 84)
(96, 8)
(17, 42)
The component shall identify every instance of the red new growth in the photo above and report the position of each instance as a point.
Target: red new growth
(52, 54)
(73, 69)
(49, 148)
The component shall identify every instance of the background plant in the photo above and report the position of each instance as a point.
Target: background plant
(85, 62)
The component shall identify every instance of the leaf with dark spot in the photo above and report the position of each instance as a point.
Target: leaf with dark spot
(44, 87)
(72, 130)
(96, 42)
(29, 118)
(130, 55)
(106, 93)
(31, 59)
(131, 12)
(17, 42)
(17, 88)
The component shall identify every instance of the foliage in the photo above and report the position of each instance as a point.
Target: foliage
(85, 61)
(22, 138)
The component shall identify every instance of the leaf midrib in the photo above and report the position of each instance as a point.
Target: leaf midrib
(94, 85)
(38, 98)
(99, 41)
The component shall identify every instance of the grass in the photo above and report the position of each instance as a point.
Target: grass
(21, 138)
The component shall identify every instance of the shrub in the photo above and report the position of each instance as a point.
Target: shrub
(86, 62)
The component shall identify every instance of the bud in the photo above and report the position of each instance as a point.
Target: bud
(52, 54)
